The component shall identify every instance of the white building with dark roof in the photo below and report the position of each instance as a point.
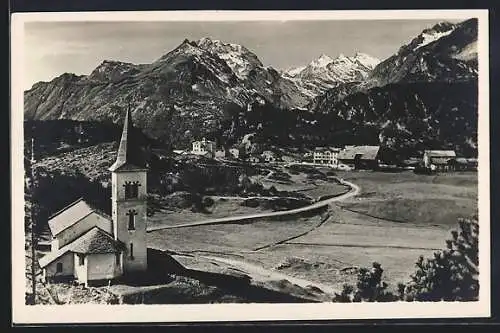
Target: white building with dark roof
(204, 147)
(87, 245)
(360, 157)
(439, 160)
(326, 155)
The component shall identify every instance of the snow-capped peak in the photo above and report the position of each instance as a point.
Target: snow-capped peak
(207, 42)
(237, 57)
(366, 60)
(322, 61)
(294, 71)
(430, 35)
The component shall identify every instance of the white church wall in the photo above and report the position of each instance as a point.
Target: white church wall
(101, 266)
(118, 183)
(136, 237)
(121, 207)
(67, 262)
(80, 270)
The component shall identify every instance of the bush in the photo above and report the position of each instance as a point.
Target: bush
(451, 275)
(208, 202)
(280, 176)
(369, 288)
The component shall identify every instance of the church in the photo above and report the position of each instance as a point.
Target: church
(91, 247)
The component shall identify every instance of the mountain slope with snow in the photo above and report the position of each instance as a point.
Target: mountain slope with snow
(324, 72)
(445, 52)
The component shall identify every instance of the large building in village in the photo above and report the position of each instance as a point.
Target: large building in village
(204, 147)
(326, 155)
(91, 247)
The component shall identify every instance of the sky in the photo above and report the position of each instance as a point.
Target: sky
(53, 48)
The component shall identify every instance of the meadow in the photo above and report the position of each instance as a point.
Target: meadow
(396, 218)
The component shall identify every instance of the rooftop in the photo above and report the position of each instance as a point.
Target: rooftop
(322, 149)
(94, 241)
(366, 152)
(440, 153)
(130, 155)
(70, 215)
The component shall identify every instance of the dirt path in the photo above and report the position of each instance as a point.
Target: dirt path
(354, 191)
(263, 274)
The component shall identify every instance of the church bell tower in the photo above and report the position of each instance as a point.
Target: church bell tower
(128, 198)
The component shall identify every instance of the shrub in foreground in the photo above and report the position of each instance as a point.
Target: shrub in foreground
(450, 275)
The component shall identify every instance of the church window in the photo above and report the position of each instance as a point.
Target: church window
(81, 259)
(131, 251)
(59, 267)
(131, 189)
(118, 259)
(131, 219)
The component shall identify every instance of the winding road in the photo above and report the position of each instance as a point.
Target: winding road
(263, 274)
(354, 191)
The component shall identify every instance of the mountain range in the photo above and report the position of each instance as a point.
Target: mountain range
(424, 95)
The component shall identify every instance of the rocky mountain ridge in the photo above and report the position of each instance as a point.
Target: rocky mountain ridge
(209, 87)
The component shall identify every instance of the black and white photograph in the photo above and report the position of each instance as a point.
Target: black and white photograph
(199, 166)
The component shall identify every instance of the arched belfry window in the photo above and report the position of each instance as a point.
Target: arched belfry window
(131, 219)
(131, 190)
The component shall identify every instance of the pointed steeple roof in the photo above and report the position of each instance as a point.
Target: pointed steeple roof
(130, 154)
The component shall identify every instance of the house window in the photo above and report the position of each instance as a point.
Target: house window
(59, 267)
(131, 219)
(118, 259)
(131, 251)
(131, 190)
(81, 259)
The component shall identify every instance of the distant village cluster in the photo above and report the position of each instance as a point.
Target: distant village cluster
(349, 157)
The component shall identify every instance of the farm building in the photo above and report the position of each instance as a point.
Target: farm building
(90, 247)
(360, 157)
(326, 155)
(440, 160)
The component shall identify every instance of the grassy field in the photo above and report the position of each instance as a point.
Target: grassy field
(406, 197)
(396, 218)
(221, 208)
(230, 238)
(233, 206)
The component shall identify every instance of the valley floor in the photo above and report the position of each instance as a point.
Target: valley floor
(396, 218)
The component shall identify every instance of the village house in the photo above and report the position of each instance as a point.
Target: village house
(268, 156)
(360, 157)
(90, 247)
(326, 155)
(233, 153)
(440, 160)
(465, 164)
(180, 152)
(254, 159)
(204, 147)
(308, 157)
(220, 153)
